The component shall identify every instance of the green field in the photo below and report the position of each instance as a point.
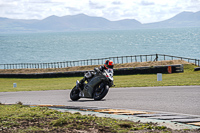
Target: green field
(189, 77)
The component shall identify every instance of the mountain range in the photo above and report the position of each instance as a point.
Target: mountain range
(82, 22)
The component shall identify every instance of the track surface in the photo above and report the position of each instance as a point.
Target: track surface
(176, 99)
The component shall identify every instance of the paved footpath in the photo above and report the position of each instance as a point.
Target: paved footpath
(181, 100)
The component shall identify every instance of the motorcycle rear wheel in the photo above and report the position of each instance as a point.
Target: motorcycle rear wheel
(100, 91)
(74, 94)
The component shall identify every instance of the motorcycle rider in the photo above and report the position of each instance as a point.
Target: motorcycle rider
(107, 65)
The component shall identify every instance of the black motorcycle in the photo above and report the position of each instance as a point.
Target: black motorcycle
(97, 86)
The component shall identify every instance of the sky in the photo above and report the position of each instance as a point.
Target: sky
(145, 11)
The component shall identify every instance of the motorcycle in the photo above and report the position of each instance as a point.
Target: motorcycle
(97, 86)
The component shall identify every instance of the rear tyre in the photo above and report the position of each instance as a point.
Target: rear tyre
(100, 91)
(74, 94)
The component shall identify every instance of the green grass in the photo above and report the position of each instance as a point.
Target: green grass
(37, 84)
(189, 77)
(19, 118)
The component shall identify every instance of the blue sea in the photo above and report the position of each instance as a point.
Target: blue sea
(71, 46)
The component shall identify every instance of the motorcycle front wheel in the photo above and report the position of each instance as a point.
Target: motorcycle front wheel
(74, 94)
(100, 91)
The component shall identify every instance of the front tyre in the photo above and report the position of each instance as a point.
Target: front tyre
(74, 94)
(100, 91)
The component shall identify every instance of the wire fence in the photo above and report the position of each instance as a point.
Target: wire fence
(116, 60)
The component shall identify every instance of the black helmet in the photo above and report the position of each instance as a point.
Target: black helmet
(108, 64)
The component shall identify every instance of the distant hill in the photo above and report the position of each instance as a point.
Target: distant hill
(184, 19)
(82, 22)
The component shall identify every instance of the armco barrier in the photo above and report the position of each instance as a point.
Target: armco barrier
(120, 71)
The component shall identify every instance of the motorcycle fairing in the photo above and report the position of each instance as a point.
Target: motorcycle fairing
(88, 89)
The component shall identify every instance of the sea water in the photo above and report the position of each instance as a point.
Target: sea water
(80, 45)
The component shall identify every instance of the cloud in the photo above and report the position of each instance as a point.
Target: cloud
(146, 3)
(94, 5)
(72, 9)
(145, 11)
(116, 3)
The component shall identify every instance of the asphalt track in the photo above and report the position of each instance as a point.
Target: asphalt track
(174, 99)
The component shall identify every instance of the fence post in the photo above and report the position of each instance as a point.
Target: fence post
(131, 58)
(135, 59)
(146, 58)
(195, 62)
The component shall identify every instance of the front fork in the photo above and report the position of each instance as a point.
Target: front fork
(81, 93)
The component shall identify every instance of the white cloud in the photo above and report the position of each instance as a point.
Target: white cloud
(144, 11)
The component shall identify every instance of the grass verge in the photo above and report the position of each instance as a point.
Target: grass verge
(19, 118)
(189, 77)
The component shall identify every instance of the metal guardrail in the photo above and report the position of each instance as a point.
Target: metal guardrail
(116, 60)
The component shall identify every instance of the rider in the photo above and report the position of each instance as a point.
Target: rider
(107, 65)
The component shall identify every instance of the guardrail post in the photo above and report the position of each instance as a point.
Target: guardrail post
(146, 58)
